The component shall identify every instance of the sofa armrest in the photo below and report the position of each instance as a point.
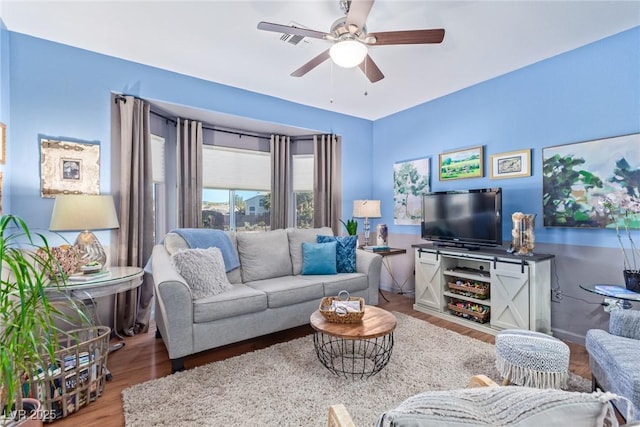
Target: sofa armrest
(625, 323)
(174, 302)
(370, 264)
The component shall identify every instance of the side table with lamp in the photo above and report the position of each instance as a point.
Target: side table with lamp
(84, 213)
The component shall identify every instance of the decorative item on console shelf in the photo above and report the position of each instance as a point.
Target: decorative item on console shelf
(469, 310)
(522, 233)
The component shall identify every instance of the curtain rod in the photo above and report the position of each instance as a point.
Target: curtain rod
(233, 132)
(236, 132)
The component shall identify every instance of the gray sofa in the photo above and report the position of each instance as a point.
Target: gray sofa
(269, 293)
(613, 359)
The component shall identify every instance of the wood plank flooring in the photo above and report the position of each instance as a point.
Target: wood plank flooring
(144, 358)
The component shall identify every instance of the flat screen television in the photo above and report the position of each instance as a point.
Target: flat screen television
(463, 218)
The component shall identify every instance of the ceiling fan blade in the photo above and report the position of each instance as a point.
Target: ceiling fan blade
(407, 37)
(358, 13)
(290, 29)
(371, 70)
(311, 64)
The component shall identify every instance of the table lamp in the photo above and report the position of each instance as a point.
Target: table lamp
(366, 209)
(85, 212)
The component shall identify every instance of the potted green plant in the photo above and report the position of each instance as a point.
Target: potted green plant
(623, 210)
(351, 226)
(28, 331)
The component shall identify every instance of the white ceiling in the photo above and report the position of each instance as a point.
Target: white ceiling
(218, 41)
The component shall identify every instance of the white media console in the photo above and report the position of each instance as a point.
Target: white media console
(487, 289)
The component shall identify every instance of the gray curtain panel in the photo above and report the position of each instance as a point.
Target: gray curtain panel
(280, 180)
(135, 237)
(327, 181)
(189, 167)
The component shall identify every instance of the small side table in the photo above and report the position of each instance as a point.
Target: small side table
(625, 301)
(119, 279)
(387, 264)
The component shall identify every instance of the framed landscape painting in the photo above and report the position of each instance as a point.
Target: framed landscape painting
(460, 164)
(410, 181)
(579, 179)
(511, 165)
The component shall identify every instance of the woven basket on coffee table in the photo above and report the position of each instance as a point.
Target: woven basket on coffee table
(341, 317)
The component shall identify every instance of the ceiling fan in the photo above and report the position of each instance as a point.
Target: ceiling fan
(351, 39)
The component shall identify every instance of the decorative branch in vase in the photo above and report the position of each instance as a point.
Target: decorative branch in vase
(623, 211)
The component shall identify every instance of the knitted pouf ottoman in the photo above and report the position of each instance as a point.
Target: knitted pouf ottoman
(532, 359)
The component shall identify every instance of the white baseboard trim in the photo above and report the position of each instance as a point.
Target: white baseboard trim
(568, 336)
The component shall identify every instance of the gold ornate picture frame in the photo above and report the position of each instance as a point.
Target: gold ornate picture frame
(69, 168)
(514, 164)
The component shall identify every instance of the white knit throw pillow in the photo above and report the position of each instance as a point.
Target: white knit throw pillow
(203, 270)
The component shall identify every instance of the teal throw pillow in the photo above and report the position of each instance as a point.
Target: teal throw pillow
(318, 258)
(345, 251)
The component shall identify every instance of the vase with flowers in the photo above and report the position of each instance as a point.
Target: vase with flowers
(623, 211)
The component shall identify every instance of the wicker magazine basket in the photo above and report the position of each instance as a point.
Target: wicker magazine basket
(337, 316)
(77, 376)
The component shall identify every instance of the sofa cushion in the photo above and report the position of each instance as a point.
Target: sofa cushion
(203, 270)
(319, 258)
(264, 255)
(345, 251)
(298, 235)
(490, 406)
(351, 282)
(288, 290)
(173, 242)
(241, 299)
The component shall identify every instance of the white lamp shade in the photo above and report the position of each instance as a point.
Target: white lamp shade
(76, 212)
(348, 53)
(366, 209)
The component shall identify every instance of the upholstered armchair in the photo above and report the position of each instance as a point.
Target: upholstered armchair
(613, 358)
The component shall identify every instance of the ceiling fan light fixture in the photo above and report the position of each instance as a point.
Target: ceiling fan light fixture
(348, 53)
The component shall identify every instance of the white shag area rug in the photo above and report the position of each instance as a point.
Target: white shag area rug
(285, 384)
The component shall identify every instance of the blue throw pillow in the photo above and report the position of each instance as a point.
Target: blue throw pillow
(318, 258)
(345, 251)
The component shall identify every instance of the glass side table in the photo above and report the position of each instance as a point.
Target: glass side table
(624, 300)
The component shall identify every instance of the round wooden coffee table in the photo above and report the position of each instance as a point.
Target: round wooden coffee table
(355, 350)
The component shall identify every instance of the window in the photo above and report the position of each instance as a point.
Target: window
(303, 190)
(237, 185)
(158, 175)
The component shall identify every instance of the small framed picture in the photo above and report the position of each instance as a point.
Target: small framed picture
(3, 143)
(68, 167)
(514, 164)
(460, 164)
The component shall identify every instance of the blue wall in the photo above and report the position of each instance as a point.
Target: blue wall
(4, 110)
(589, 93)
(64, 92)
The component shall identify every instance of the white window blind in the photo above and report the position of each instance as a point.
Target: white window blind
(157, 158)
(303, 172)
(235, 168)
